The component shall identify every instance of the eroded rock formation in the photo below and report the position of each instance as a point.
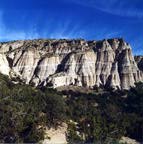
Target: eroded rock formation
(107, 63)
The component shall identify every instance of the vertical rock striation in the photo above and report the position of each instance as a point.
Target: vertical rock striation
(107, 63)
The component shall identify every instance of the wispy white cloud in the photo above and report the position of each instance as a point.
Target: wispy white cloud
(137, 45)
(64, 29)
(61, 29)
(125, 8)
(7, 34)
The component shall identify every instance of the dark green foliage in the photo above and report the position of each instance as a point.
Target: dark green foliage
(54, 107)
(23, 108)
(107, 116)
(101, 117)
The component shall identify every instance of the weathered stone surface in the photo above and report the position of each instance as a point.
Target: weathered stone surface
(4, 65)
(127, 140)
(107, 63)
(139, 61)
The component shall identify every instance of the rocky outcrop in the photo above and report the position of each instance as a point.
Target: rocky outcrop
(108, 63)
(127, 140)
(4, 65)
(139, 61)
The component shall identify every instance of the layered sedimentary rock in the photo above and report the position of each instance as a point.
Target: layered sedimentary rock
(4, 65)
(108, 63)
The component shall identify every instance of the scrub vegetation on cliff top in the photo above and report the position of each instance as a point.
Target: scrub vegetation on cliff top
(91, 117)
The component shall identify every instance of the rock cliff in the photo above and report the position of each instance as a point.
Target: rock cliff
(108, 63)
(139, 61)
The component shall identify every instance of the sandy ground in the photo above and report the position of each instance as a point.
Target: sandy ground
(56, 136)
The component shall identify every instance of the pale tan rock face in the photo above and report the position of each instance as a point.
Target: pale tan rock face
(46, 67)
(26, 63)
(107, 63)
(127, 140)
(4, 65)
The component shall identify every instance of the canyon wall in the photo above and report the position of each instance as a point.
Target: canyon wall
(106, 63)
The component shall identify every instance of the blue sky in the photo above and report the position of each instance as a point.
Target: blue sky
(88, 19)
